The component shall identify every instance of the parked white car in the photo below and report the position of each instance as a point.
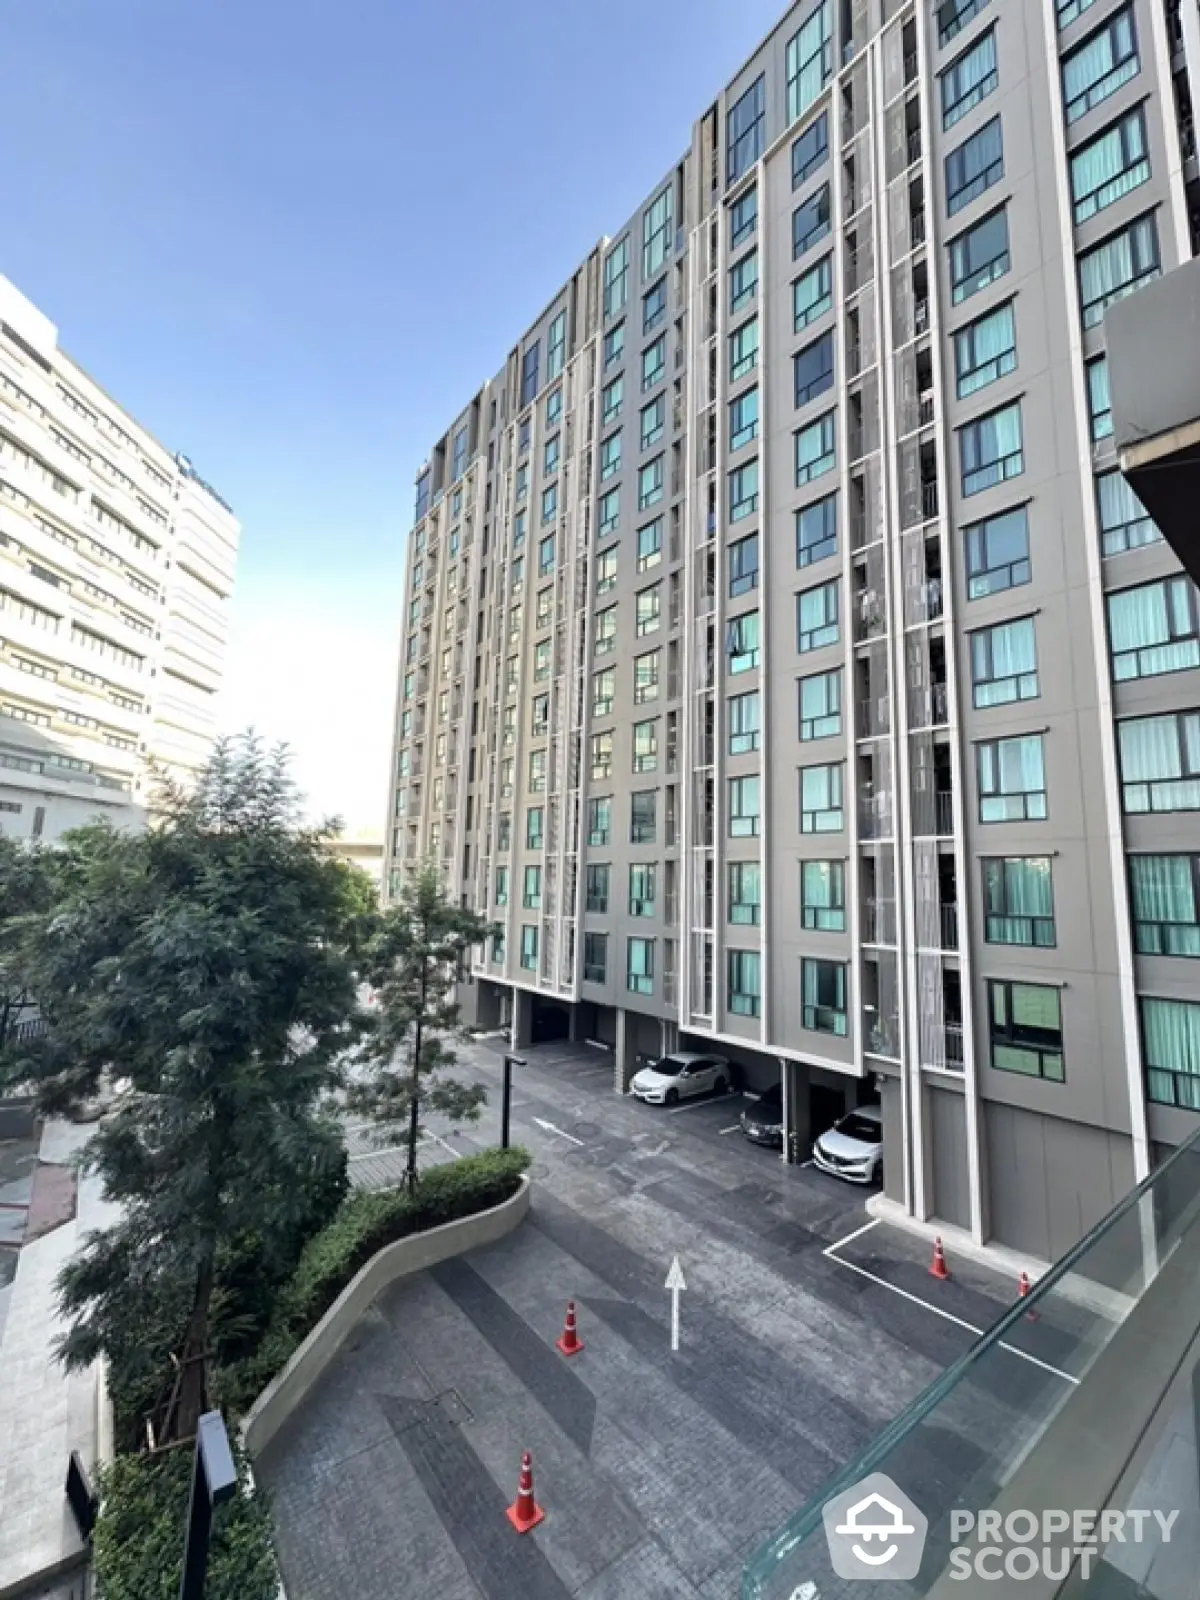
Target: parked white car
(678, 1076)
(853, 1147)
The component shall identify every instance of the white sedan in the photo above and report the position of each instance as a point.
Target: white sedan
(681, 1074)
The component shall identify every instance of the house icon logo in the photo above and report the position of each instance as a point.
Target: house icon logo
(875, 1531)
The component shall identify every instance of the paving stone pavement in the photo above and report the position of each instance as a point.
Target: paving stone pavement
(660, 1472)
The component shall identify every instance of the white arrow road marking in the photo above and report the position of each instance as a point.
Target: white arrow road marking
(550, 1128)
(676, 1284)
(732, 1128)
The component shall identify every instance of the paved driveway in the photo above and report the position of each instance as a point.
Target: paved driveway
(659, 1472)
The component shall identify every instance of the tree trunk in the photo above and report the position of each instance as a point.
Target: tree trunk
(192, 1401)
(414, 1107)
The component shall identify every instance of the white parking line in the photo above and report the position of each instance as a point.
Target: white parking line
(437, 1139)
(694, 1105)
(732, 1128)
(383, 1150)
(928, 1305)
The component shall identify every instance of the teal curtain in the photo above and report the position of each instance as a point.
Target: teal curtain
(1164, 905)
(1171, 1032)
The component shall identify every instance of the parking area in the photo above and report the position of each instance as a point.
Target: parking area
(660, 1471)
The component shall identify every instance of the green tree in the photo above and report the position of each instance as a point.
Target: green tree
(27, 889)
(413, 962)
(203, 967)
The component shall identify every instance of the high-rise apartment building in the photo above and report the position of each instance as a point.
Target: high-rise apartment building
(116, 569)
(787, 667)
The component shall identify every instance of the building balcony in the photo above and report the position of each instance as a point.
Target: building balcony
(879, 922)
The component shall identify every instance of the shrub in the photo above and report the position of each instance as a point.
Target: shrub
(138, 1543)
(364, 1224)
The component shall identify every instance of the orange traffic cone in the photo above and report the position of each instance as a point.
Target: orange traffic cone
(525, 1513)
(1024, 1288)
(938, 1268)
(568, 1340)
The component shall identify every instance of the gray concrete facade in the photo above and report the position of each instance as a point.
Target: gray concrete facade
(872, 797)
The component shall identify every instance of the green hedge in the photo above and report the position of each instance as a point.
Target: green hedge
(138, 1543)
(363, 1225)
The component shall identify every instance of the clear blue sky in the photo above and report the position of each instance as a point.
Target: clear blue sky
(293, 238)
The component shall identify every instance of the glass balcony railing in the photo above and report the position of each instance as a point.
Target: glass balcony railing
(1057, 1457)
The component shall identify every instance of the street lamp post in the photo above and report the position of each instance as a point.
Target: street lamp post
(510, 1062)
(214, 1480)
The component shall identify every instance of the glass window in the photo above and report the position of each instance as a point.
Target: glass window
(649, 545)
(532, 897)
(610, 511)
(649, 609)
(654, 362)
(823, 988)
(1124, 521)
(823, 896)
(533, 827)
(746, 129)
(595, 958)
(459, 464)
(1110, 166)
(602, 755)
(612, 399)
(529, 945)
(979, 256)
(604, 692)
(657, 233)
(616, 278)
(997, 553)
(600, 821)
(653, 421)
(969, 79)
(1100, 65)
(597, 886)
(743, 420)
(537, 772)
(645, 677)
(743, 808)
(743, 566)
(1018, 901)
(816, 531)
(743, 723)
(529, 374)
(610, 455)
(1004, 663)
(1070, 11)
(520, 523)
(650, 483)
(1117, 267)
(540, 713)
(1154, 628)
(645, 746)
(821, 705)
(953, 16)
(821, 799)
(1026, 1029)
(614, 344)
(606, 570)
(812, 295)
(743, 350)
(974, 166)
(743, 218)
(554, 407)
(1166, 904)
(743, 281)
(606, 630)
(810, 222)
(549, 503)
(640, 966)
(1099, 399)
(985, 350)
(1012, 779)
(816, 449)
(745, 983)
(809, 60)
(1171, 1036)
(546, 556)
(991, 450)
(812, 369)
(817, 617)
(1160, 762)
(743, 491)
(501, 895)
(556, 346)
(550, 456)
(741, 642)
(641, 889)
(745, 894)
(811, 150)
(643, 805)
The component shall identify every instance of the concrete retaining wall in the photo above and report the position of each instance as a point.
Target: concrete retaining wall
(17, 1120)
(287, 1391)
